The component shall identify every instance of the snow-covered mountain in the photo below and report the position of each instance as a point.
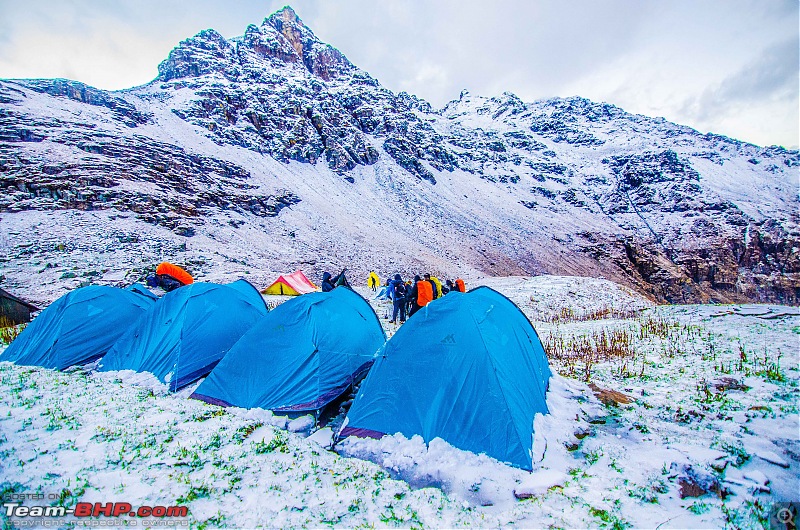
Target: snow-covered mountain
(271, 151)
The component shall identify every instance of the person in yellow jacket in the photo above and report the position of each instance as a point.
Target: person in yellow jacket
(438, 292)
(373, 281)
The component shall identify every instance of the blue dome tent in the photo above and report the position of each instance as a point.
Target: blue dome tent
(467, 368)
(138, 288)
(77, 328)
(300, 357)
(186, 332)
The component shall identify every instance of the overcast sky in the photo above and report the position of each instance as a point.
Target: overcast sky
(725, 66)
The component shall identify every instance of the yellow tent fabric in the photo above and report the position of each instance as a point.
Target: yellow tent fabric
(280, 288)
(373, 277)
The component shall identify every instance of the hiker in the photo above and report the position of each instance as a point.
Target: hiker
(449, 287)
(169, 277)
(438, 292)
(398, 290)
(409, 302)
(421, 294)
(460, 286)
(330, 283)
(434, 290)
(373, 281)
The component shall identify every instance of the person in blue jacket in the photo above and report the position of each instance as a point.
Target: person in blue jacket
(397, 288)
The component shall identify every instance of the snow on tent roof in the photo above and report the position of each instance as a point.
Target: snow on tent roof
(467, 368)
(292, 284)
(300, 357)
(77, 328)
(186, 332)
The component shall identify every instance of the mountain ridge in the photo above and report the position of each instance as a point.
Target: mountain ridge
(275, 132)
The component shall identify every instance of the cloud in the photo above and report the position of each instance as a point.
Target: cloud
(487, 47)
(772, 76)
(758, 102)
(110, 45)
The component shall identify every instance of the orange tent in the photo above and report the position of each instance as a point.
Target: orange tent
(291, 284)
(176, 272)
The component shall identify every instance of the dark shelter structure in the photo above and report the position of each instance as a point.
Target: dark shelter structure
(14, 310)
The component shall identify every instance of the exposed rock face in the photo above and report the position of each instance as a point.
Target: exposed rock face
(506, 187)
(122, 110)
(178, 184)
(293, 97)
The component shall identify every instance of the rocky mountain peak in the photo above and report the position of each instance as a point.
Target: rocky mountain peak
(206, 52)
(282, 36)
(287, 15)
(289, 25)
(321, 59)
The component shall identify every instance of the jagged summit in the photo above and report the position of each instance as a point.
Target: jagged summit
(275, 151)
(287, 15)
(282, 36)
(291, 27)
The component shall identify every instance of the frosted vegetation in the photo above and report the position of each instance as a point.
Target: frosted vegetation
(647, 398)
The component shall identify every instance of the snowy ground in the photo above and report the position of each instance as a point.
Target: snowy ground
(86, 437)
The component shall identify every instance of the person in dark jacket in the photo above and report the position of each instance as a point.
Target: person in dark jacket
(449, 286)
(412, 296)
(329, 283)
(398, 289)
(409, 286)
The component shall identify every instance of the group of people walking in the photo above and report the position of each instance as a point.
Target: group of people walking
(409, 297)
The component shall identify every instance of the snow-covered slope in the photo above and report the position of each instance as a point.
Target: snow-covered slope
(271, 151)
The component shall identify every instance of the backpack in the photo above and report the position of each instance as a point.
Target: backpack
(168, 283)
(424, 292)
(399, 290)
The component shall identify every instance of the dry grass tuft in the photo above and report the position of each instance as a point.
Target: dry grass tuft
(567, 314)
(9, 331)
(578, 354)
(623, 347)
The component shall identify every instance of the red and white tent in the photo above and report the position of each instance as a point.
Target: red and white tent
(291, 284)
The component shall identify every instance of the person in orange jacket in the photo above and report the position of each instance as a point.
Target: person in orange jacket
(434, 287)
(421, 294)
(169, 277)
